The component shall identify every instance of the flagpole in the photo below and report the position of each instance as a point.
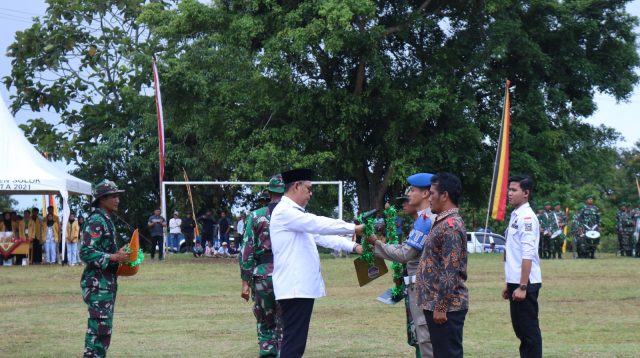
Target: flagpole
(495, 165)
(156, 82)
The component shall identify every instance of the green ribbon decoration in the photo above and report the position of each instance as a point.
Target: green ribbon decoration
(367, 249)
(140, 258)
(397, 291)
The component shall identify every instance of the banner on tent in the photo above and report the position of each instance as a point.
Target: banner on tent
(18, 184)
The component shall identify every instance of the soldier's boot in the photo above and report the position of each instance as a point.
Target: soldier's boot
(97, 338)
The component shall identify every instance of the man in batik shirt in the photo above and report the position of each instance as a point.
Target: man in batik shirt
(442, 293)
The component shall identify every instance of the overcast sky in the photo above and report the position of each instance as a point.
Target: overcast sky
(16, 16)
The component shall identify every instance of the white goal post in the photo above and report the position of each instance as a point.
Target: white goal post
(163, 195)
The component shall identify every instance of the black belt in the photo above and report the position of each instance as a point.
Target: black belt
(266, 258)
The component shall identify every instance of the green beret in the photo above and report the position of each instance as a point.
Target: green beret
(581, 206)
(539, 207)
(556, 203)
(588, 196)
(547, 203)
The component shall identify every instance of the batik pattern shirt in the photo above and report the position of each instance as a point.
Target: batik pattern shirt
(442, 273)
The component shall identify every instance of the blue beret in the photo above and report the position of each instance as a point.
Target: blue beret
(420, 179)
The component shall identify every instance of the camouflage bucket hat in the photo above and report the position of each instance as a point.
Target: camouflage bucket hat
(276, 184)
(103, 188)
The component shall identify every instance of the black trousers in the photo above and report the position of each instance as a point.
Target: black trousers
(446, 338)
(296, 315)
(206, 237)
(524, 318)
(157, 240)
(37, 252)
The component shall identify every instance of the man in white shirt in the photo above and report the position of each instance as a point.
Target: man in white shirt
(522, 267)
(175, 232)
(297, 280)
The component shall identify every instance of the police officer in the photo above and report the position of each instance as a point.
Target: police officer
(409, 252)
(256, 268)
(101, 257)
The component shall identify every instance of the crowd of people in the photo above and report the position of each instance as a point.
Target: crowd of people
(584, 229)
(44, 233)
(215, 234)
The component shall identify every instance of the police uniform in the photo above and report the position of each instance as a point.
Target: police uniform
(409, 252)
(256, 268)
(99, 282)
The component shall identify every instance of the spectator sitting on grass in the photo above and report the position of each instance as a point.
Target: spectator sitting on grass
(222, 251)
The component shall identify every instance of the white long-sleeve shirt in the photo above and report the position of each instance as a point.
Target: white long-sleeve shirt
(296, 262)
(174, 226)
(523, 237)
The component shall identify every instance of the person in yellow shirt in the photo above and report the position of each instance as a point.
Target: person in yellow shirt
(73, 235)
(36, 233)
(19, 232)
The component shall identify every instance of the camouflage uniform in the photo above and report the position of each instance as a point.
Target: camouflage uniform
(619, 216)
(540, 214)
(558, 220)
(590, 217)
(589, 220)
(546, 226)
(256, 267)
(99, 282)
(625, 226)
(636, 233)
(575, 229)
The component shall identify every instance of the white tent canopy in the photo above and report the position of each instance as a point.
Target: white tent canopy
(26, 172)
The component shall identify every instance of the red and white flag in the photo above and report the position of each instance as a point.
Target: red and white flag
(156, 82)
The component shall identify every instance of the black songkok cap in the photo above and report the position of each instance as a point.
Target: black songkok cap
(295, 175)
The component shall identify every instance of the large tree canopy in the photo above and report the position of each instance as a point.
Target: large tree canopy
(363, 91)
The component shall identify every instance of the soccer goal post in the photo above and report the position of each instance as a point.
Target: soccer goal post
(163, 195)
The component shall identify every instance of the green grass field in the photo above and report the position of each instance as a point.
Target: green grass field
(187, 307)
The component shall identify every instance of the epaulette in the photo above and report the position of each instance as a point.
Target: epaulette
(450, 221)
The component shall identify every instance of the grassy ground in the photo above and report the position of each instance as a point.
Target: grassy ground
(192, 308)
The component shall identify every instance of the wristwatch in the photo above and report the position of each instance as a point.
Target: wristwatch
(523, 287)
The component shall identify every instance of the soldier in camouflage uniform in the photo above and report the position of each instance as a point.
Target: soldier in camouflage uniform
(636, 234)
(619, 219)
(590, 218)
(541, 217)
(626, 227)
(101, 257)
(557, 222)
(545, 225)
(256, 268)
(575, 229)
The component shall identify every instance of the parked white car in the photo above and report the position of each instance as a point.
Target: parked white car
(485, 242)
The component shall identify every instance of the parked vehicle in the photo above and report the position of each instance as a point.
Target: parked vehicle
(485, 242)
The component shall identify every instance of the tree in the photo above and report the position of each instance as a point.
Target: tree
(373, 91)
(363, 91)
